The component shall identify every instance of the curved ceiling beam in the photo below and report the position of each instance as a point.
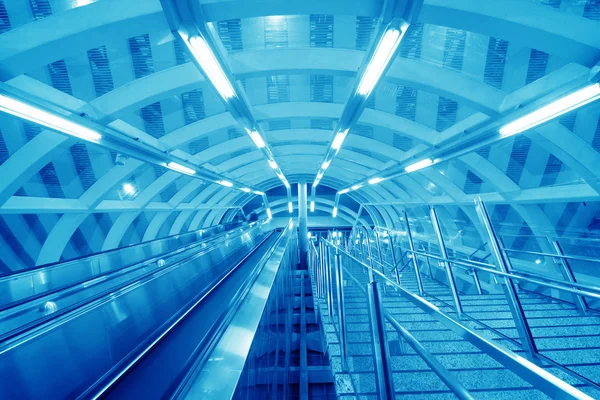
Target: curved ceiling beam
(374, 195)
(531, 214)
(551, 31)
(61, 233)
(295, 165)
(75, 31)
(204, 127)
(445, 82)
(432, 78)
(317, 138)
(222, 10)
(571, 149)
(327, 206)
(97, 23)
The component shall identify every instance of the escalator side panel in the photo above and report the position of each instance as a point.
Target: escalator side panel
(62, 361)
(40, 279)
(153, 376)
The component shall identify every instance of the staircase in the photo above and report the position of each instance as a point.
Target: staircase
(561, 334)
(560, 331)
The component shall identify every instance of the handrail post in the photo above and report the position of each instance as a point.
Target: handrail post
(567, 273)
(323, 269)
(393, 250)
(339, 282)
(414, 258)
(317, 270)
(449, 273)
(476, 280)
(380, 258)
(371, 276)
(328, 280)
(381, 351)
(429, 267)
(509, 286)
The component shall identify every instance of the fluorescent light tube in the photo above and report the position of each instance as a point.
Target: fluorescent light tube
(383, 54)
(375, 180)
(259, 193)
(559, 107)
(419, 165)
(257, 139)
(246, 190)
(287, 184)
(180, 168)
(344, 191)
(334, 214)
(339, 139)
(319, 175)
(269, 215)
(211, 66)
(290, 207)
(225, 183)
(326, 164)
(356, 187)
(47, 119)
(312, 206)
(272, 164)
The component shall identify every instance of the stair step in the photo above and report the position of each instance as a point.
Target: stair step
(477, 371)
(484, 379)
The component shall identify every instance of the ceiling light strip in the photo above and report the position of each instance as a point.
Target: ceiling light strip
(564, 104)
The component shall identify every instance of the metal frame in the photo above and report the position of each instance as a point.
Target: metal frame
(415, 261)
(450, 275)
(378, 316)
(341, 311)
(535, 375)
(381, 352)
(509, 286)
(567, 272)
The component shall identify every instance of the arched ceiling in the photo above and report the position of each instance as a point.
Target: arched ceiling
(461, 65)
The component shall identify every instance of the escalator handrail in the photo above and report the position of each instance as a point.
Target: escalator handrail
(214, 240)
(119, 249)
(54, 320)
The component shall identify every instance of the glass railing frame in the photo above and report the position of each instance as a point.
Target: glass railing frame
(528, 370)
(377, 317)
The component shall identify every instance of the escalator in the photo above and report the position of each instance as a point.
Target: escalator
(165, 364)
(131, 332)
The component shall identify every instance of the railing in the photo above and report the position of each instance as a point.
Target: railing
(329, 282)
(42, 279)
(503, 272)
(216, 377)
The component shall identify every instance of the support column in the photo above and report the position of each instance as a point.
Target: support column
(510, 288)
(302, 224)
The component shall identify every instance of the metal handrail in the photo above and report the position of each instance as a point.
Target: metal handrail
(479, 248)
(567, 257)
(571, 287)
(554, 255)
(539, 378)
(448, 378)
(595, 239)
